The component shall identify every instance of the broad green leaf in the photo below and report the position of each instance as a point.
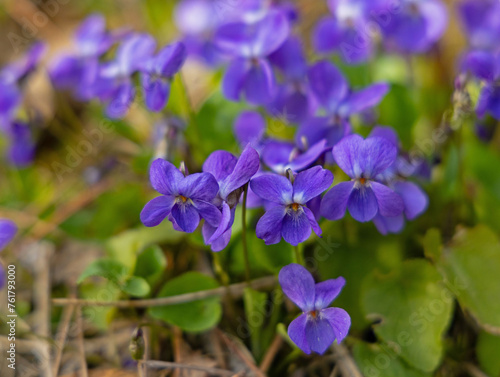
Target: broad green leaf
(333, 256)
(471, 266)
(125, 246)
(109, 269)
(136, 286)
(151, 264)
(379, 360)
(196, 316)
(487, 348)
(255, 312)
(414, 309)
(433, 244)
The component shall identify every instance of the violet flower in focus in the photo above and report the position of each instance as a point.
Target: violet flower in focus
(231, 174)
(289, 216)
(363, 161)
(319, 325)
(186, 199)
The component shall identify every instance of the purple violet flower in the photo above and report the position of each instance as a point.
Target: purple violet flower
(415, 200)
(347, 31)
(22, 147)
(249, 128)
(318, 326)
(12, 77)
(250, 73)
(292, 101)
(416, 26)
(231, 174)
(7, 232)
(280, 156)
(362, 160)
(331, 90)
(289, 217)
(481, 20)
(78, 71)
(186, 199)
(157, 75)
(114, 84)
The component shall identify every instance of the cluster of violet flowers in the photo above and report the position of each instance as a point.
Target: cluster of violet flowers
(265, 65)
(89, 73)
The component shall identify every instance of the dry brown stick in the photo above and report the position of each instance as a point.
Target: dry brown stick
(240, 354)
(474, 371)
(271, 353)
(155, 364)
(236, 290)
(177, 345)
(62, 333)
(39, 254)
(335, 371)
(81, 346)
(345, 362)
(219, 353)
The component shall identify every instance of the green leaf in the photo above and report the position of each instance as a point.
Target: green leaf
(151, 264)
(136, 286)
(487, 353)
(432, 244)
(126, 246)
(471, 266)
(196, 316)
(380, 360)
(255, 312)
(414, 309)
(109, 269)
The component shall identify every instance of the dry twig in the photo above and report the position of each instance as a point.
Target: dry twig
(236, 290)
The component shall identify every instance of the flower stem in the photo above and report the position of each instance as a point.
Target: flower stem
(298, 257)
(244, 234)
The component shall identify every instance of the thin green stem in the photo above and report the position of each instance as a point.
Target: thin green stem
(298, 256)
(244, 234)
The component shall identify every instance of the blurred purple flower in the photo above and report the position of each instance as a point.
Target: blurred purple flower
(362, 160)
(481, 20)
(292, 100)
(250, 73)
(346, 32)
(416, 25)
(332, 92)
(157, 75)
(318, 326)
(114, 84)
(22, 147)
(249, 128)
(78, 71)
(186, 199)
(231, 174)
(289, 217)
